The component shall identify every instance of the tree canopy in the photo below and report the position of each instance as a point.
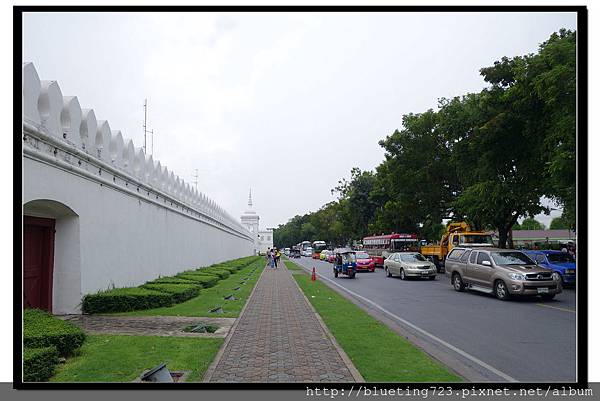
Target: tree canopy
(487, 158)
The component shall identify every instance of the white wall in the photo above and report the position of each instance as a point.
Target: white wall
(122, 218)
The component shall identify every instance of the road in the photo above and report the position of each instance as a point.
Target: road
(525, 340)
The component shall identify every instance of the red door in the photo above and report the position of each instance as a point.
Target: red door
(38, 262)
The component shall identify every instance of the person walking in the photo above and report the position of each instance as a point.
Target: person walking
(277, 257)
(268, 256)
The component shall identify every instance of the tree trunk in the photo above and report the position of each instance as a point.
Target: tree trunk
(510, 239)
(502, 237)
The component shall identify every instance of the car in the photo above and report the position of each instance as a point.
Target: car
(330, 257)
(502, 272)
(286, 251)
(308, 252)
(364, 262)
(323, 254)
(561, 262)
(409, 264)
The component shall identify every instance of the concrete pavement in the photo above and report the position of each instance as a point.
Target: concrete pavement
(279, 338)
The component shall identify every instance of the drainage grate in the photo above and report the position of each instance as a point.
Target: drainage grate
(236, 288)
(229, 297)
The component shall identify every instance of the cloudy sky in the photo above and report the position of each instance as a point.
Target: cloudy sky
(283, 103)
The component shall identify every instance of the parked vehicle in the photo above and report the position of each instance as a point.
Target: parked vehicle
(364, 262)
(457, 234)
(560, 262)
(503, 272)
(317, 247)
(380, 246)
(344, 262)
(409, 264)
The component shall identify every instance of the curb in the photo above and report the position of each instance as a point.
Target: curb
(353, 371)
(213, 366)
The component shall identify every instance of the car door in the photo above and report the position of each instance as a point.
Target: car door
(397, 263)
(393, 263)
(470, 267)
(482, 274)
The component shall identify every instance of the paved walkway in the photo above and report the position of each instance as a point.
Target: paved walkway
(278, 338)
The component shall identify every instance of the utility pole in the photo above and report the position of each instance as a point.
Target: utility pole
(196, 178)
(146, 130)
(152, 138)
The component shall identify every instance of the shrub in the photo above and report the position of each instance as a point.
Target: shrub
(230, 269)
(222, 273)
(203, 279)
(41, 330)
(125, 300)
(180, 292)
(173, 280)
(39, 363)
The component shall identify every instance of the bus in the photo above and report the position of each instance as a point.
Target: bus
(303, 246)
(317, 247)
(380, 246)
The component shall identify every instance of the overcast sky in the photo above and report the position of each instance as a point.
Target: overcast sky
(283, 103)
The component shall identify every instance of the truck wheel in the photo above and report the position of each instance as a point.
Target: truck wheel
(457, 282)
(402, 274)
(335, 273)
(387, 272)
(501, 291)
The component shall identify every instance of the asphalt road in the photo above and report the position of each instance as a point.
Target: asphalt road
(527, 340)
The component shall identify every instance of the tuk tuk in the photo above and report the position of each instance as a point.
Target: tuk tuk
(344, 262)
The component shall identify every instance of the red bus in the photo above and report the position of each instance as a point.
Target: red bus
(380, 246)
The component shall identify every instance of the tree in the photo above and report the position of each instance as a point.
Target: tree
(529, 224)
(560, 223)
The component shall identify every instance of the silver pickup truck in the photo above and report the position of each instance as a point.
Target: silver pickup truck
(503, 272)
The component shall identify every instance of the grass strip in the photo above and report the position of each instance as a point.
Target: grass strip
(291, 265)
(212, 297)
(111, 358)
(379, 353)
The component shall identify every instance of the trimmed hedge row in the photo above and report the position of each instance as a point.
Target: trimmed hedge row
(180, 292)
(164, 291)
(222, 273)
(125, 300)
(39, 363)
(45, 339)
(41, 330)
(205, 280)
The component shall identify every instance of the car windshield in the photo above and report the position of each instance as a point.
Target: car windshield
(349, 257)
(560, 258)
(412, 257)
(476, 239)
(362, 255)
(511, 258)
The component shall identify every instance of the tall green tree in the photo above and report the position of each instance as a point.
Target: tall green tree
(529, 224)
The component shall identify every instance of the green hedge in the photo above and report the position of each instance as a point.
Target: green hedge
(39, 363)
(173, 280)
(230, 269)
(41, 329)
(125, 300)
(180, 292)
(205, 280)
(222, 273)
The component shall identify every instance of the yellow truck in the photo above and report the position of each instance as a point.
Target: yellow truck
(457, 234)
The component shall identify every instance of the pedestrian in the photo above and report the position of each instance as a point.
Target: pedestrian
(268, 255)
(277, 257)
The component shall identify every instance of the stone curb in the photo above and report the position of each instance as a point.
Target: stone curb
(213, 366)
(353, 371)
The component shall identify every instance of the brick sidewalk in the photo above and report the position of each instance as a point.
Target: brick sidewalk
(278, 338)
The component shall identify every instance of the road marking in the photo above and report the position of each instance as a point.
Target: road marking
(424, 332)
(556, 307)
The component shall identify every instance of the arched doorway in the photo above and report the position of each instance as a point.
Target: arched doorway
(51, 257)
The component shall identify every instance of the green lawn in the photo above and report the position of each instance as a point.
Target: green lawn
(291, 265)
(379, 354)
(213, 297)
(110, 358)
